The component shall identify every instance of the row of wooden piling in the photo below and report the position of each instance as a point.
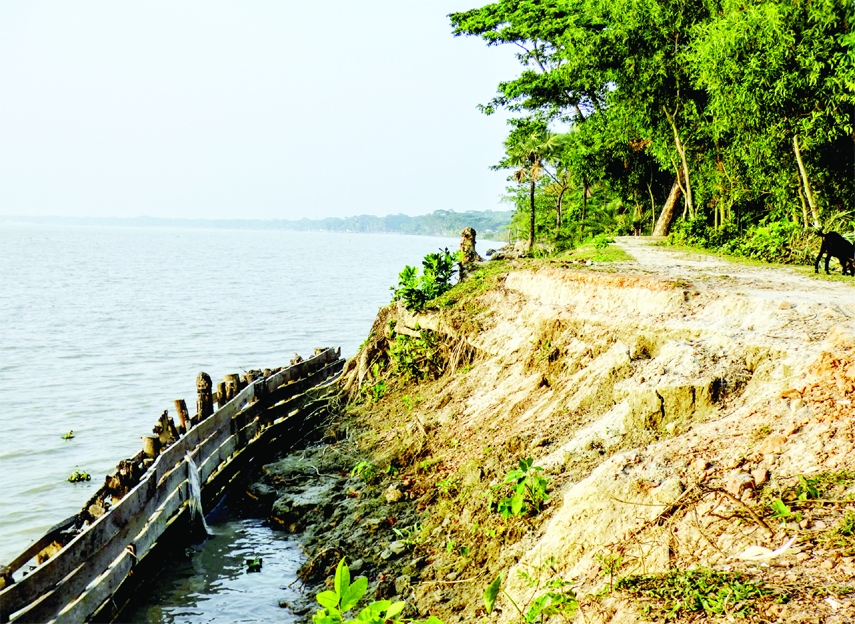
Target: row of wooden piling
(81, 571)
(166, 432)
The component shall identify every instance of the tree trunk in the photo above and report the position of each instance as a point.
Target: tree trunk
(804, 206)
(584, 197)
(652, 209)
(531, 220)
(808, 191)
(663, 225)
(681, 150)
(558, 206)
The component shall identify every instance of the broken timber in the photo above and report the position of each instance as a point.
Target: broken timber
(81, 569)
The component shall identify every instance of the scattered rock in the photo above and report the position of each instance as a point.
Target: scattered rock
(700, 464)
(385, 589)
(291, 512)
(738, 482)
(393, 550)
(402, 584)
(760, 476)
(669, 491)
(392, 494)
(772, 444)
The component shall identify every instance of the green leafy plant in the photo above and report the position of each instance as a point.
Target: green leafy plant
(446, 486)
(364, 470)
(345, 595)
(695, 591)
(491, 593)
(847, 526)
(529, 490)
(609, 564)
(843, 535)
(376, 389)
(415, 357)
(79, 475)
(411, 536)
(601, 241)
(558, 599)
(781, 511)
(415, 289)
(807, 488)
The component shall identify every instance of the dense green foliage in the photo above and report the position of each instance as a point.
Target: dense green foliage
(416, 289)
(710, 103)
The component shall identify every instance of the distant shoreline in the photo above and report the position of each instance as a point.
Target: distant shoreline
(437, 223)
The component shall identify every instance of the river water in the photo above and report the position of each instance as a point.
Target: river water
(102, 328)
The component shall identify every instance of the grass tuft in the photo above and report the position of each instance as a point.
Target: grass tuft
(680, 592)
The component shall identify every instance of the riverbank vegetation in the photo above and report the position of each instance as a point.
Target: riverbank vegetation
(727, 124)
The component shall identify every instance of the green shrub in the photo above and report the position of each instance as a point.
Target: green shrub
(775, 241)
(415, 358)
(601, 241)
(529, 490)
(415, 289)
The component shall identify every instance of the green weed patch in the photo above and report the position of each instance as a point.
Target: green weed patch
(702, 590)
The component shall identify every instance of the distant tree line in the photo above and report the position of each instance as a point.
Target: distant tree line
(438, 223)
(728, 122)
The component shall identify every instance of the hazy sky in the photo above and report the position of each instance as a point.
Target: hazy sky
(247, 108)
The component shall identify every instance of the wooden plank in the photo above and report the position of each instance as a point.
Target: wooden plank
(104, 586)
(106, 535)
(89, 544)
(299, 387)
(45, 540)
(89, 601)
(71, 587)
(233, 463)
(47, 575)
(215, 460)
(303, 368)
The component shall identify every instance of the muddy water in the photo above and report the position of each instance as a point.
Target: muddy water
(102, 328)
(210, 582)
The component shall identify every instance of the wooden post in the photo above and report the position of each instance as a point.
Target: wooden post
(165, 430)
(221, 394)
(204, 400)
(232, 384)
(183, 415)
(151, 446)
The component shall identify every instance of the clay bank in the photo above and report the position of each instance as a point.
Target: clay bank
(668, 437)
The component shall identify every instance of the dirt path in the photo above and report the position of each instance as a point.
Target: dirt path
(762, 282)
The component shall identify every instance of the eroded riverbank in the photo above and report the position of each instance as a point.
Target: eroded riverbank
(684, 410)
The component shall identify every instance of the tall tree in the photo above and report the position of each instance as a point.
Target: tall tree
(528, 146)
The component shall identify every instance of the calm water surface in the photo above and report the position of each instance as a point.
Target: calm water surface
(102, 328)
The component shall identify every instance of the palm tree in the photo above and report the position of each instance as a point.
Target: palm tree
(528, 153)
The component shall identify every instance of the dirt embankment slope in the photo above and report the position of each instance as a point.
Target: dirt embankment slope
(684, 410)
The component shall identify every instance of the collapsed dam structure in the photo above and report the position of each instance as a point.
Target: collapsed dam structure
(88, 565)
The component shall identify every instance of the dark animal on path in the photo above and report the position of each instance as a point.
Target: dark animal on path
(833, 244)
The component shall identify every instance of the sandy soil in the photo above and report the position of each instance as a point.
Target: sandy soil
(684, 409)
